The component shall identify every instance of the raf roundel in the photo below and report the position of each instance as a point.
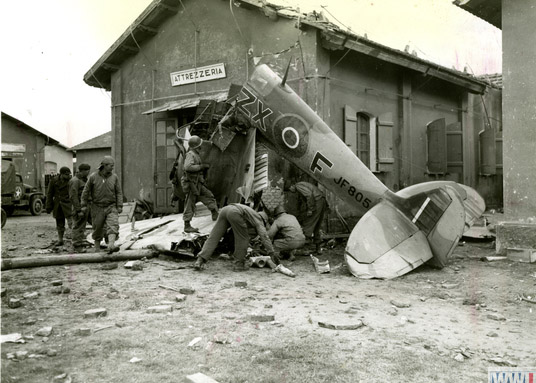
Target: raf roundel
(291, 134)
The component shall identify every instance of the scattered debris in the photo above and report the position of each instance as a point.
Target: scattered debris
(95, 313)
(12, 248)
(339, 326)
(135, 360)
(60, 290)
(459, 357)
(240, 284)
(261, 317)
(259, 261)
(44, 331)
(400, 304)
(63, 378)
(84, 331)
(57, 282)
(180, 297)
(193, 343)
(493, 258)
(186, 290)
(14, 303)
(321, 267)
(283, 270)
(521, 255)
(109, 266)
(497, 317)
(33, 295)
(3, 292)
(12, 338)
(502, 362)
(221, 339)
(492, 334)
(199, 378)
(159, 309)
(103, 328)
(449, 286)
(170, 288)
(529, 299)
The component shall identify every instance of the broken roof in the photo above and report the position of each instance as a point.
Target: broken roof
(99, 142)
(487, 10)
(333, 37)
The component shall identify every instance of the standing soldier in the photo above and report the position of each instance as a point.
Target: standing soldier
(76, 187)
(316, 208)
(58, 201)
(103, 191)
(193, 185)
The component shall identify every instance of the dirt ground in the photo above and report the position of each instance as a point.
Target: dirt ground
(259, 326)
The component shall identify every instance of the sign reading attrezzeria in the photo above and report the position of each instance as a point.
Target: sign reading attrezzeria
(206, 73)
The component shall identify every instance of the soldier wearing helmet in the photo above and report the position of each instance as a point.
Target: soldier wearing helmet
(286, 233)
(193, 184)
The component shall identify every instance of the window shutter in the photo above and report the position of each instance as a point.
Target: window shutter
(488, 159)
(350, 128)
(437, 147)
(384, 138)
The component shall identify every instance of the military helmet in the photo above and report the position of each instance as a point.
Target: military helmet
(279, 210)
(194, 142)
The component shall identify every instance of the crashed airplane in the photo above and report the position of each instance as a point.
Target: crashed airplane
(397, 232)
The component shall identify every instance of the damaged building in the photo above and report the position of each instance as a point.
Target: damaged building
(409, 120)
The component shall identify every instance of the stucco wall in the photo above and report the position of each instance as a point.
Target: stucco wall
(59, 155)
(92, 157)
(519, 61)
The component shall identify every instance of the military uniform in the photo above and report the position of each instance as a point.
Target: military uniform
(193, 186)
(246, 223)
(59, 204)
(286, 233)
(316, 207)
(76, 187)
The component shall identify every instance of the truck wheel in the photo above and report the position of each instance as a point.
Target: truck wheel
(4, 217)
(9, 210)
(36, 206)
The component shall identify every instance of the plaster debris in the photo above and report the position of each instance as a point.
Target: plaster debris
(342, 326)
(400, 304)
(44, 331)
(95, 313)
(159, 309)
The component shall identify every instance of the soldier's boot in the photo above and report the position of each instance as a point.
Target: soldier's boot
(112, 248)
(189, 229)
(97, 246)
(200, 263)
(59, 242)
(214, 214)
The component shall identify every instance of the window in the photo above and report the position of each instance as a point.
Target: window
(369, 137)
(445, 149)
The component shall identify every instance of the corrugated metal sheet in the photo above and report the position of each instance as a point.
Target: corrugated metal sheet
(187, 103)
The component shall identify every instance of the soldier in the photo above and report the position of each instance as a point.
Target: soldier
(246, 223)
(76, 187)
(286, 233)
(103, 191)
(316, 208)
(193, 185)
(58, 201)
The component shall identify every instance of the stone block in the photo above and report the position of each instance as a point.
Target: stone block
(199, 378)
(44, 331)
(95, 313)
(159, 309)
(515, 235)
(521, 255)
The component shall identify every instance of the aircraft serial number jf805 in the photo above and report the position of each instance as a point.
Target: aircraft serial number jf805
(398, 231)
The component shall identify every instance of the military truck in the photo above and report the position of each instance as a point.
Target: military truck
(18, 195)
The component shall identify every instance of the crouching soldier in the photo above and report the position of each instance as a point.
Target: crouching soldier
(193, 185)
(58, 202)
(103, 191)
(246, 223)
(76, 187)
(286, 233)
